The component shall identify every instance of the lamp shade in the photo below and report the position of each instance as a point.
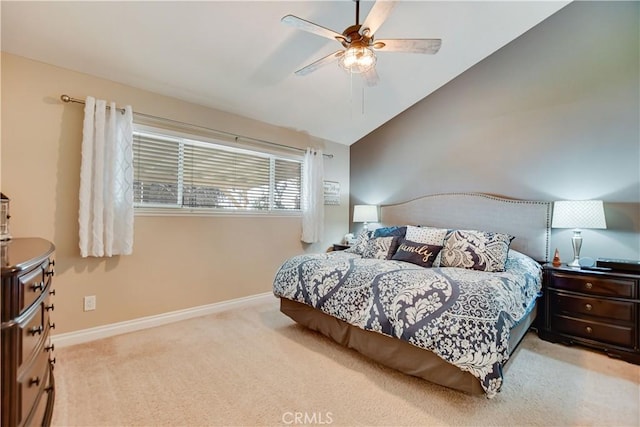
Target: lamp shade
(578, 214)
(365, 213)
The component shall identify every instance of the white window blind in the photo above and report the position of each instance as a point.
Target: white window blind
(186, 173)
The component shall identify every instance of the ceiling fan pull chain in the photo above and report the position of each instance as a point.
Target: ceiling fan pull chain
(351, 95)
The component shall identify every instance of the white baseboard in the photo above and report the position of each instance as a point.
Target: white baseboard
(99, 332)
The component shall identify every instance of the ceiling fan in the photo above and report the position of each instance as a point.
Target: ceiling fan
(358, 55)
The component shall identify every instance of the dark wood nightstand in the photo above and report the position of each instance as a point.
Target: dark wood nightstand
(592, 308)
(340, 247)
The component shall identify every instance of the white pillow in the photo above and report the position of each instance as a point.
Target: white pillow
(428, 236)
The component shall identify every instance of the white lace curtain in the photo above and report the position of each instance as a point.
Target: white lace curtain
(106, 180)
(313, 197)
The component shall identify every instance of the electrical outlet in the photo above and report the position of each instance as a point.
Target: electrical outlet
(89, 303)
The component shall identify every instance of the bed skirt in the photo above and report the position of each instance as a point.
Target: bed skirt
(395, 353)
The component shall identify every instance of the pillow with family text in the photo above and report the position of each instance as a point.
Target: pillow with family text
(428, 235)
(421, 254)
(476, 250)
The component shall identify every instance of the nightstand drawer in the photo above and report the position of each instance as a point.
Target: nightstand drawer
(340, 247)
(607, 309)
(617, 287)
(601, 332)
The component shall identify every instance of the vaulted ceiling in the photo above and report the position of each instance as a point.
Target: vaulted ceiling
(238, 57)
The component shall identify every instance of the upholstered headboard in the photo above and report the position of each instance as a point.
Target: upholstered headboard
(528, 220)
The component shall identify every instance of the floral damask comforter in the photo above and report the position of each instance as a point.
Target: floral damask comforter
(464, 316)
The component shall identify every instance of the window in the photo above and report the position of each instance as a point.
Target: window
(176, 172)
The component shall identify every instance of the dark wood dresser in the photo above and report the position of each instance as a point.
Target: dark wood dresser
(28, 389)
(592, 308)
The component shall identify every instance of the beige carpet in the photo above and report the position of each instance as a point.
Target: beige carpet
(255, 366)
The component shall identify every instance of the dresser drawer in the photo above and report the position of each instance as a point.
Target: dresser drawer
(615, 287)
(40, 413)
(604, 308)
(31, 334)
(32, 285)
(31, 384)
(597, 331)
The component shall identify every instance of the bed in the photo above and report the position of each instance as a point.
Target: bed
(408, 297)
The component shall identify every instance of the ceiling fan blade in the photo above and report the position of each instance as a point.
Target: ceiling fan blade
(310, 27)
(320, 63)
(371, 77)
(377, 15)
(429, 46)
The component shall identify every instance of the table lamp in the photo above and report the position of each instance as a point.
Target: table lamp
(366, 214)
(578, 214)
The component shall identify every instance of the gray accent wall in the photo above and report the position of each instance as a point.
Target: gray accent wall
(553, 115)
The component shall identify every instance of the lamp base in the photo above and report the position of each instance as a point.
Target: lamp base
(576, 242)
(575, 263)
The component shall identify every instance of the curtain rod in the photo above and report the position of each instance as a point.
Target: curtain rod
(67, 98)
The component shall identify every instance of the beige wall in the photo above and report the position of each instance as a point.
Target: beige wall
(178, 262)
(553, 115)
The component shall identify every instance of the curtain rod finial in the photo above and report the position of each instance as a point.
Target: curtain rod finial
(65, 98)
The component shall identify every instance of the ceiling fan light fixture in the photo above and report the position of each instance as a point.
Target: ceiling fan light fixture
(358, 59)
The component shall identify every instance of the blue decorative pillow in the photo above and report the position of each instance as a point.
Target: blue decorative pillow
(421, 254)
(390, 231)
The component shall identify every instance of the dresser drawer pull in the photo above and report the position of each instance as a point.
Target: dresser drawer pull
(589, 307)
(49, 307)
(588, 285)
(52, 325)
(37, 287)
(588, 329)
(52, 292)
(36, 330)
(50, 347)
(52, 361)
(34, 381)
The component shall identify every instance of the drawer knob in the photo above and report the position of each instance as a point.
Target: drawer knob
(588, 285)
(588, 307)
(49, 307)
(52, 292)
(50, 347)
(52, 325)
(52, 361)
(37, 287)
(588, 329)
(36, 330)
(34, 381)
